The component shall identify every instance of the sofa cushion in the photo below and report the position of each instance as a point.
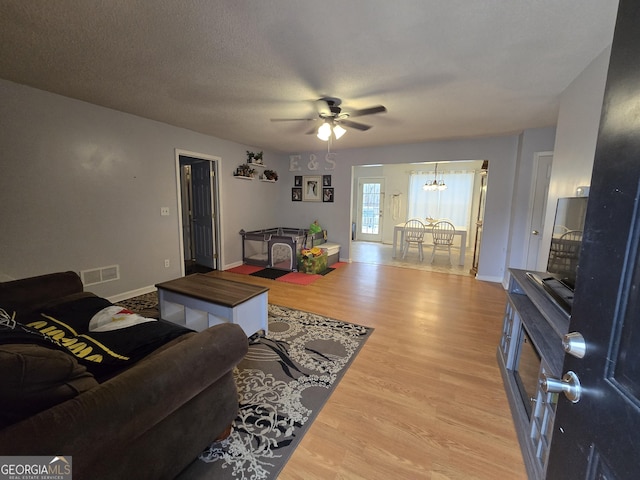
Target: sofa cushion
(35, 377)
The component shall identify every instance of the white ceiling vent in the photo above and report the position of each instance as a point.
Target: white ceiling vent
(100, 275)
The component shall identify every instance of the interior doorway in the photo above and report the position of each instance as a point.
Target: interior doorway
(375, 215)
(198, 207)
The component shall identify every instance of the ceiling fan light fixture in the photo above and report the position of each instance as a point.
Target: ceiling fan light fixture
(331, 114)
(324, 132)
(338, 131)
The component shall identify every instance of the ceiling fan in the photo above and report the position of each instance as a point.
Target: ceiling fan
(334, 119)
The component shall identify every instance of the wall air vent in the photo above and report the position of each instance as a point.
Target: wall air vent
(100, 275)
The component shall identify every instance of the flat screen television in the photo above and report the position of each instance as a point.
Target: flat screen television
(566, 243)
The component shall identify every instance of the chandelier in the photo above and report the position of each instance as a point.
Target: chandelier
(436, 185)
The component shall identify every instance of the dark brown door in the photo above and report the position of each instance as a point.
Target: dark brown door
(203, 231)
(599, 436)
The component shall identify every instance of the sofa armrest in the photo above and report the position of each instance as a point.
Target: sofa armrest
(107, 417)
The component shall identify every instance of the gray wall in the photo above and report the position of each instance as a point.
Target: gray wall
(81, 187)
(576, 137)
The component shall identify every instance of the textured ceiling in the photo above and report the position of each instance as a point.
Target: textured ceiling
(444, 69)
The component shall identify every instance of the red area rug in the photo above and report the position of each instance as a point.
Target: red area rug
(296, 278)
(245, 269)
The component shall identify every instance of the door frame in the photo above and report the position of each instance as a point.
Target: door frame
(216, 204)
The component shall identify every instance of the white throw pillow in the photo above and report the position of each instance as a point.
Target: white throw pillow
(115, 318)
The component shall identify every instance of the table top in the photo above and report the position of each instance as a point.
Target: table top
(212, 289)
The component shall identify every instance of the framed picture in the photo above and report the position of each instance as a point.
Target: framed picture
(327, 194)
(312, 188)
(297, 180)
(326, 180)
(296, 194)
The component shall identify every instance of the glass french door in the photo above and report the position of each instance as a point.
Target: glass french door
(370, 209)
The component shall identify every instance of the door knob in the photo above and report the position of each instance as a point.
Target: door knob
(574, 344)
(569, 385)
(535, 232)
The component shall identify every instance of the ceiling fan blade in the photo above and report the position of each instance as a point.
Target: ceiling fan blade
(368, 111)
(312, 131)
(356, 125)
(293, 119)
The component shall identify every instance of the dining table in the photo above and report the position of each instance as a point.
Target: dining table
(398, 239)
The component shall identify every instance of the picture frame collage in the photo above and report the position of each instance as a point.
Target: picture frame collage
(312, 188)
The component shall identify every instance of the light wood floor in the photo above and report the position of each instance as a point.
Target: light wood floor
(382, 254)
(424, 397)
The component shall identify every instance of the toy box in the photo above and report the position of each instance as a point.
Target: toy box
(333, 252)
(312, 263)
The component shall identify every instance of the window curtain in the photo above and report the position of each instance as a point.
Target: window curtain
(453, 204)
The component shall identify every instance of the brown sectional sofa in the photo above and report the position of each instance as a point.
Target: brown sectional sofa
(147, 420)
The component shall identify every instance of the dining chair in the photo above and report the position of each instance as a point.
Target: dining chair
(443, 233)
(413, 234)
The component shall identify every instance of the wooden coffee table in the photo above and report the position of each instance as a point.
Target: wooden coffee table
(199, 301)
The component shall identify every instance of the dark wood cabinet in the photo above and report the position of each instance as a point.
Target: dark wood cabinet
(530, 348)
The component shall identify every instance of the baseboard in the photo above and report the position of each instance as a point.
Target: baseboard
(132, 293)
(486, 278)
(232, 265)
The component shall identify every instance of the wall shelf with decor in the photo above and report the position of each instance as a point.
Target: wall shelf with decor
(244, 171)
(269, 176)
(247, 170)
(255, 159)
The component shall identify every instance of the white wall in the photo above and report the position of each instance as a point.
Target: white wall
(576, 137)
(81, 186)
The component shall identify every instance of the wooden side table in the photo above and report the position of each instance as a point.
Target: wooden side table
(199, 302)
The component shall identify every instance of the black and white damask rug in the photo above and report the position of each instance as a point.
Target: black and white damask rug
(283, 382)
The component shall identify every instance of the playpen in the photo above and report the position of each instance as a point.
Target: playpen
(278, 247)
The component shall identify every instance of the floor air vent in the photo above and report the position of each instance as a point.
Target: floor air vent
(100, 275)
